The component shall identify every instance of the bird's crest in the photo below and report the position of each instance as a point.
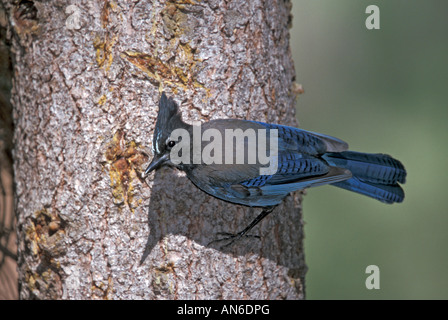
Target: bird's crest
(168, 119)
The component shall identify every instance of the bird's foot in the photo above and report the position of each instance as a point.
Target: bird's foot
(235, 237)
(231, 238)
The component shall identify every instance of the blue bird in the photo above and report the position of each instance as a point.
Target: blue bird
(304, 159)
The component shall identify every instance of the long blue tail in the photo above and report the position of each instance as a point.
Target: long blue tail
(374, 175)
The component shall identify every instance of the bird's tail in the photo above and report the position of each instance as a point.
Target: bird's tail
(374, 175)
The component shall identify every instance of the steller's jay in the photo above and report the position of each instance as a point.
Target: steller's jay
(303, 159)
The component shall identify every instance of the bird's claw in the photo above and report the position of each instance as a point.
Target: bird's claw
(231, 237)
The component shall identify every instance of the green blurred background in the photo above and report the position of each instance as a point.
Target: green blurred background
(382, 91)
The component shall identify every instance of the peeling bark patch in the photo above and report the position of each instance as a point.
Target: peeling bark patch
(176, 19)
(45, 234)
(124, 160)
(152, 66)
(103, 50)
(163, 284)
(108, 5)
(101, 290)
(178, 75)
(102, 100)
(25, 17)
(45, 241)
(168, 268)
(178, 69)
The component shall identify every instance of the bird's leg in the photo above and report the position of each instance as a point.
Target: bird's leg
(234, 237)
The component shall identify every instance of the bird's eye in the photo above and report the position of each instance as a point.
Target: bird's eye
(171, 143)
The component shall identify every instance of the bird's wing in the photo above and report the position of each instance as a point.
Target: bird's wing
(334, 175)
(295, 168)
(291, 167)
(296, 173)
(292, 138)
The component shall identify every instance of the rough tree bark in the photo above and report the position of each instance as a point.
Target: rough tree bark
(87, 80)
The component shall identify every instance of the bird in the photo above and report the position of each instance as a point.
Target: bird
(302, 159)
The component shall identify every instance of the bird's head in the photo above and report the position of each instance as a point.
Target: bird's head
(168, 119)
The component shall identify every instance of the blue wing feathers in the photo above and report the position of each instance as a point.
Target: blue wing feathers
(291, 167)
(307, 159)
(333, 176)
(374, 175)
(304, 141)
(375, 168)
(384, 193)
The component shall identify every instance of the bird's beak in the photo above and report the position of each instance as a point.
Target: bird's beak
(156, 162)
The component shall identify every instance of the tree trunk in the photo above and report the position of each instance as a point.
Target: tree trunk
(87, 80)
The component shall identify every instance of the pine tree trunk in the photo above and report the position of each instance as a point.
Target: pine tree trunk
(87, 80)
